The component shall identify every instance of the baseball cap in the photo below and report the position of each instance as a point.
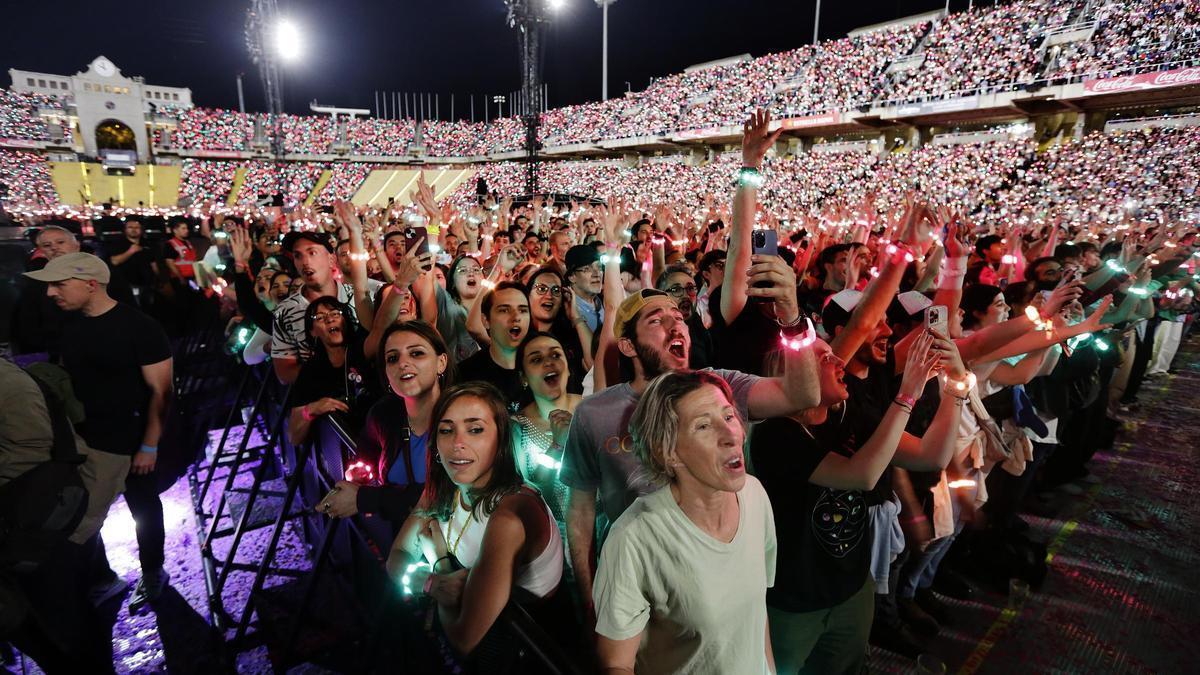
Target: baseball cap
(581, 255)
(628, 309)
(906, 306)
(291, 238)
(73, 266)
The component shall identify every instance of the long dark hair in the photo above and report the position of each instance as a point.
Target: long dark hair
(977, 298)
(425, 332)
(506, 479)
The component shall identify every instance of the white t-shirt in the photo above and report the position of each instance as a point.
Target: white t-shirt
(700, 602)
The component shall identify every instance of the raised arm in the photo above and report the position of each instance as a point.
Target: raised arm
(862, 470)
(879, 293)
(756, 140)
(364, 308)
(932, 452)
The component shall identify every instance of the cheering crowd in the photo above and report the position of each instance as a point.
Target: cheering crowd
(742, 435)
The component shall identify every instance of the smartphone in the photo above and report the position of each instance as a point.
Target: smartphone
(715, 226)
(411, 237)
(764, 242)
(936, 320)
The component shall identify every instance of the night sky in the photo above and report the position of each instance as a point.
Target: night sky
(355, 47)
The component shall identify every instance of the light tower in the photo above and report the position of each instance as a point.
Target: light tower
(528, 17)
(603, 4)
(269, 39)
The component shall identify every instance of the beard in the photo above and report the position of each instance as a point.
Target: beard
(652, 364)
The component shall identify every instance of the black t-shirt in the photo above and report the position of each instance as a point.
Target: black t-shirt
(136, 270)
(868, 403)
(480, 366)
(742, 344)
(824, 535)
(700, 355)
(104, 356)
(354, 382)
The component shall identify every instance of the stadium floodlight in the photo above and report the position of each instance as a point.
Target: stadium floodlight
(288, 44)
(556, 5)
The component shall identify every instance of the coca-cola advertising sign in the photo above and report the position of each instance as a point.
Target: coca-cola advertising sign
(1166, 78)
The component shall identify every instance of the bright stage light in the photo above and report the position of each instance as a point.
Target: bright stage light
(556, 4)
(287, 40)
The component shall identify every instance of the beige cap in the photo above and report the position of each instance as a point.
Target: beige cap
(629, 308)
(73, 266)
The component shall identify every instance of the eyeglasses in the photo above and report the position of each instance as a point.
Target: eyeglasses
(543, 289)
(718, 263)
(829, 358)
(681, 290)
(327, 317)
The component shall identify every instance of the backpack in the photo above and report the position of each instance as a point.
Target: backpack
(42, 507)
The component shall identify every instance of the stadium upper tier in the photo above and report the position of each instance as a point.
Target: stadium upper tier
(1004, 180)
(999, 48)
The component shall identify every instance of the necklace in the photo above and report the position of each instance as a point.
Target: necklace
(450, 523)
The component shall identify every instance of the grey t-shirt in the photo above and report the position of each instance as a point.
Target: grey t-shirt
(599, 452)
(452, 325)
(699, 603)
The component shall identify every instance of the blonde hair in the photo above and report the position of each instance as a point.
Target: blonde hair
(655, 422)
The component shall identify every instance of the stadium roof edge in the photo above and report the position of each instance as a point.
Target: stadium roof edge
(718, 62)
(896, 23)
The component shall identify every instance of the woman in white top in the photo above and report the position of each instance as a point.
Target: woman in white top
(488, 536)
(540, 428)
(682, 581)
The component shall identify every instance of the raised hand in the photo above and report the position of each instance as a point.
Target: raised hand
(757, 139)
(560, 422)
(956, 239)
(345, 216)
(239, 244)
(919, 367)
(771, 269)
(949, 360)
(410, 266)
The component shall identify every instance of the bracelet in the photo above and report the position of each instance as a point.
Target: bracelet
(749, 177)
(916, 519)
(428, 584)
(905, 400)
(435, 562)
(905, 408)
(305, 414)
(791, 324)
(148, 449)
(359, 257)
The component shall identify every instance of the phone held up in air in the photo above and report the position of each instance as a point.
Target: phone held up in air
(414, 234)
(764, 242)
(937, 320)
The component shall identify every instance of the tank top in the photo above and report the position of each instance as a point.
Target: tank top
(464, 532)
